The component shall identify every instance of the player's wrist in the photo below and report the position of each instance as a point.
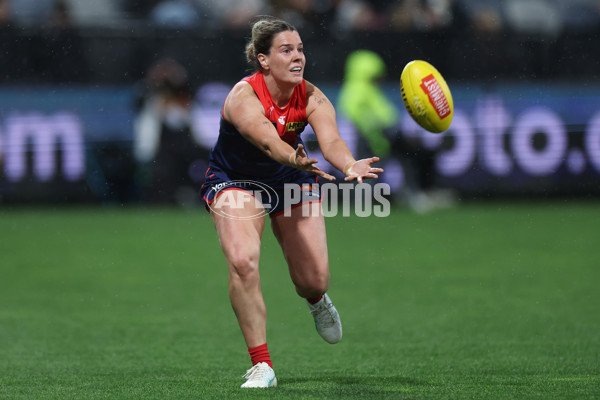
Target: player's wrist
(348, 165)
(292, 160)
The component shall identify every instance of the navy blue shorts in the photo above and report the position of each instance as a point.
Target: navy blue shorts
(275, 194)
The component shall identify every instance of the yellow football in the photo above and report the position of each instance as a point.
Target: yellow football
(426, 96)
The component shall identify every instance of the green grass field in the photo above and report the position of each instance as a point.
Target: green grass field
(484, 301)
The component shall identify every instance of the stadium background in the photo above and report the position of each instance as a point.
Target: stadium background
(103, 297)
(524, 76)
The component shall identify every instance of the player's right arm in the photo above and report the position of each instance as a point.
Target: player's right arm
(244, 110)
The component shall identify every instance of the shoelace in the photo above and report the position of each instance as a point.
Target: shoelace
(256, 372)
(323, 314)
(321, 307)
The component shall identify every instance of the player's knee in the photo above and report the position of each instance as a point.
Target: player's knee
(244, 265)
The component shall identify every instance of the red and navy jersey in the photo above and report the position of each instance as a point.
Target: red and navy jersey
(241, 159)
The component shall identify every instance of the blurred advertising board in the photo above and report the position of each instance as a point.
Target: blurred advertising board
(48, 136)
(510, 139)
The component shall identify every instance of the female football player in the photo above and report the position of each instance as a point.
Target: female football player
(259, 142)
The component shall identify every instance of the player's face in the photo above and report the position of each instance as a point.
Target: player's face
(287, 60)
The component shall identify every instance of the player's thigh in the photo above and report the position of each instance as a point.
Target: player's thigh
(239, 224)
(303, 240)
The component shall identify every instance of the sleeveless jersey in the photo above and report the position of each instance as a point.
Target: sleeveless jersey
(239, 158)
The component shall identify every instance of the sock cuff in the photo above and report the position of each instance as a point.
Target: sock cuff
(260, 354)
(258, 348)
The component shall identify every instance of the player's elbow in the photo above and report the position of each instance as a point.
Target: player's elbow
(330, 148)
(266, 146)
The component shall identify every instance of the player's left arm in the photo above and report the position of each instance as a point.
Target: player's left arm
(321, 117)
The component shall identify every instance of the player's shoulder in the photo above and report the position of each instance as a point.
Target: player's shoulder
(313, 93)
(241, 98)
(311, 88)
(241, 92)
(241, 88)
(314, 96)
